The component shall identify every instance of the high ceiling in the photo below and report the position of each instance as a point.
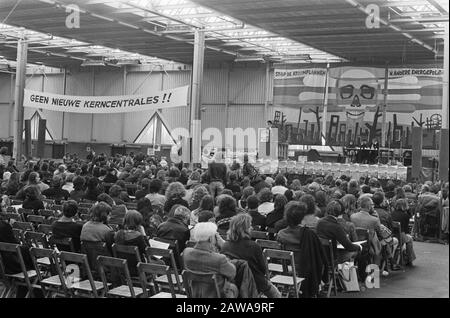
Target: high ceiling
(410, 31)
(157, 31)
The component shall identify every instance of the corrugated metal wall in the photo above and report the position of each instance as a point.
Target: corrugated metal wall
(6, 117)
(246, 99)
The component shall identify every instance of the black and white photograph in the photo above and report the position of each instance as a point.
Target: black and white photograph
(224, 156)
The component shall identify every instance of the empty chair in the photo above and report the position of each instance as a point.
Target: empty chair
(112, 265)
(259, 235)
(167, 256)
(35, 219)
(288, 280)
(62, 244)
(11, 259)
(84, 285)
(130, 253)
(327, 246)
(148, 274)
(46, 213)
(45, 228)
(24, 226)
(196, 279)
(93, 250)
(49, 276)
(35, 239)
(25, 213)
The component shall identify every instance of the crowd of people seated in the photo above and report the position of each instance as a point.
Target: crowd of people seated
(211, 213)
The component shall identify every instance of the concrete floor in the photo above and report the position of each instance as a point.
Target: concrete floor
(428, 278)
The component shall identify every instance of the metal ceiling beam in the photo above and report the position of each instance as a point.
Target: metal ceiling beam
(64, 6)
(435, 4)
(394, 27)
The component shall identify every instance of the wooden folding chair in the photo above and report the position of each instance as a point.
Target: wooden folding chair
(328, 249)
(46, 213)
(36, 220)
(25, 213)
(288, 280)
(24, 226)
(148, 274)
(50, 220)
(131, 254)
(81, 288)
(49, 276)
(259, 235)
(18, 235)
(22, 278)
(398, 253)
(167, 256)
(117, 265)
(274, 245)
(193, 277)
(45, 228)
(12, 216)
(93, 250)
(35, 239)
(62, 244)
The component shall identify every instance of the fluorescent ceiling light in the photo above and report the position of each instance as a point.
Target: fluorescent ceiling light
(250, 59)
(93, 63)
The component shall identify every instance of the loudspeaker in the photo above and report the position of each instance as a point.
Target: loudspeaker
(41, 138)
(416, 152)
(27, 152)
(443, 156)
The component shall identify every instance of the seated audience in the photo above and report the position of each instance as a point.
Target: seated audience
(66, 225)
(266, 205)
(32, 199)
(400, 214)
(176, 227)
(97, 229)
(258, 220)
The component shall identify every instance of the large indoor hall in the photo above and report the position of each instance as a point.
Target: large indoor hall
(232, 152)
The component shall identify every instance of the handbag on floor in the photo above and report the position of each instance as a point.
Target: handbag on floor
(348, 276)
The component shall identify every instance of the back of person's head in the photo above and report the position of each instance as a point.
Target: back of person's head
(310, 203)
(115, 191)
(321, 198)
(233, 176)
(227, 204)
(373, 183)
(365, 202)
(204, 232)
(92, 183)
(294, 212)
(334, 208)
(182, 213)
(280, 202)
(206, 216)
(103, 197)
(70, 208)
(265, 195)
(349, 201)
(33, 177)
(132, 220)
(100, 211)
(227, 192)
(401, 205)
(425, 188)
(207, 203)
(378, 198)
(240, 227)
(198, 193)
(365, 188)
(144, 203)
(252, 202)
(280, 180)
(155, 186)
(174, 172)
(32, 192)
(289, 195)
(175, 189)
(195, 176)
(145, 184)
(248, 191)
(57, 181)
